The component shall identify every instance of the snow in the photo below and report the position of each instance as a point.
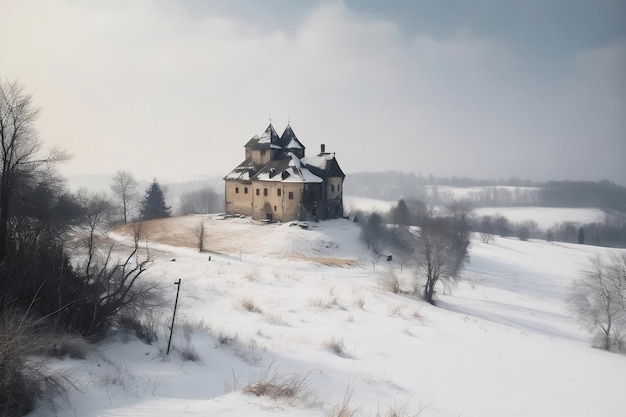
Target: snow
(318, 161)
(293, 144)
(501, 344)
(368, 205)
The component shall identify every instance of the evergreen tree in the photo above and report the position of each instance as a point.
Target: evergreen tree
(400, 214)
(581, 236)
(153, 204)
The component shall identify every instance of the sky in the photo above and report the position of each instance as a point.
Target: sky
(174, 89)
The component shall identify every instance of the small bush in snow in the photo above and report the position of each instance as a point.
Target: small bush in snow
(336, 346)
(189, 353)
(23, 379)
(249, 305)
(145, 330)
(292, 388)
(358, 302)
(389, 281)
(61, 345)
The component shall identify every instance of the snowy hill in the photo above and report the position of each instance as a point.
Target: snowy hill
(278, 300)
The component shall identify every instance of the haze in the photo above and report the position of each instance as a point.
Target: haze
(174, 89)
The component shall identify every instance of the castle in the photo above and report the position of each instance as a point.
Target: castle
(278, 182)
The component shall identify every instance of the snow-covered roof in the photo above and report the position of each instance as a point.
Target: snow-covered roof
(286, 170)
(319, 161)
(242, 172)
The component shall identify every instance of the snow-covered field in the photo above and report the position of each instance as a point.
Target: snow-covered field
(278, 300)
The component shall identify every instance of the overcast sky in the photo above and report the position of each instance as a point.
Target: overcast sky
(174, 89)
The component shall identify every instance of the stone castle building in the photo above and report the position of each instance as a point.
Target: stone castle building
(277, 181)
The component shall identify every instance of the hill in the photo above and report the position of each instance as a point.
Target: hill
(269, 306)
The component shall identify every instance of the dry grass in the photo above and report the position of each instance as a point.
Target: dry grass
(340, 262)
(290, 388)
(24, 380)
(189, 353)
(249, 305)
(336, 346)
(401, 411)
(389, 281)
(345, 409)
(328, 303)
(358, 302)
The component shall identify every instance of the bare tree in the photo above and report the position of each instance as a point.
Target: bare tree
(96, 212)
(461, 233)
(599, 299)
(435, 257)
(20, 149)
(200, 231)
(124, 187)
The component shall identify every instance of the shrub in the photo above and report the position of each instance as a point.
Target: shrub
(248, 305)
(23, 380)
(144, 330)
(292, 388)
(189, 353)
(336, 346)
(389, 281)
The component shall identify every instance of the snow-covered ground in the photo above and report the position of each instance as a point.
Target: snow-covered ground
(273, 299)
(367, 205)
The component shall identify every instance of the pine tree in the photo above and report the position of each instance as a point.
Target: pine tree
(153, 204)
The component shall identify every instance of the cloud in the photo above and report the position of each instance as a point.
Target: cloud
(148, 87)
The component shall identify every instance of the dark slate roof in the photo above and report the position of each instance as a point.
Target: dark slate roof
(288, 140)
(269, 139)
(252, 141)
(323, 165)
(243, 172)
(286, 170)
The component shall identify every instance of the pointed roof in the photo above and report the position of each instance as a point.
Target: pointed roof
(268, 138)
(288, 139)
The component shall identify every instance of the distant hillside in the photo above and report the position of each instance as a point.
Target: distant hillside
(392, 185)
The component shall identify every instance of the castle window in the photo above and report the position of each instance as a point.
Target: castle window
(245, 190)
(291, 195)
(257, 191)
(278, 192)
(265, 192)
(332, 188)
(274, 208)
(236, 190)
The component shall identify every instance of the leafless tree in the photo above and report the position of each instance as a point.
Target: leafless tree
(461, 233)
(434, 257)
(96, 212)
(124, 187)
(20, 149)
(200, 234)
(599, 299)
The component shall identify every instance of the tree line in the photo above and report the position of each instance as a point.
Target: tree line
(392, 185)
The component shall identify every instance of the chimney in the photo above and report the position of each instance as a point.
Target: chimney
(323, 148)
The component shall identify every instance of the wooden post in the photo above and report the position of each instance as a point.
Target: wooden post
(169, 343)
